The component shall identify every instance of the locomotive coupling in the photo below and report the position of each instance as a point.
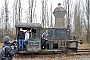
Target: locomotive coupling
(80, 42)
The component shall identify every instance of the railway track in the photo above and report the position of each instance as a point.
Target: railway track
(56, 54)
(53, 56)
(83, 50)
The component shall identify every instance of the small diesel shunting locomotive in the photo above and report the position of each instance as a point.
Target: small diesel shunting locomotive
(58, 39)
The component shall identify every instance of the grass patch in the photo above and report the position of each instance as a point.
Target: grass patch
(86, 42)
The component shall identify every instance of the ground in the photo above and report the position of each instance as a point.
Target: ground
(55, 57)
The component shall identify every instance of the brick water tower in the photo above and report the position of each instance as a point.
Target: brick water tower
(59, 13)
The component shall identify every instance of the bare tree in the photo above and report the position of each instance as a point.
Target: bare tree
(31, 10)
(34, 13)
(19, 7)
(76, 15)
(2, 19)
(51, 24)
(45, 17)
(43, 13)
(6, 16)
(77, 23)
(17, 11)
(88, 18)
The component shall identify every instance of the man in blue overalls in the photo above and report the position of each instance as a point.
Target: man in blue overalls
(21, 38)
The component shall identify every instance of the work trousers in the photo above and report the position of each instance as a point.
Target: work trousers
(44, 44)
(20, 44)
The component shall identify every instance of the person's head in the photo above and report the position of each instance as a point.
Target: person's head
(20, 29)
(28, 30)
(6, 39)
(46, 31)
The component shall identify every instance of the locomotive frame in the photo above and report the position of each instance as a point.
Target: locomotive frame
(59, 42)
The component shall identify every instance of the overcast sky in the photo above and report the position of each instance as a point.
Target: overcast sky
(25, 3)
(25, 7)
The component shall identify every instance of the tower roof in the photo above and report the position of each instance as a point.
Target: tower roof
(59, 8)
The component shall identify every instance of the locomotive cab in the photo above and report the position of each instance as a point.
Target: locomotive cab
(33, 44)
